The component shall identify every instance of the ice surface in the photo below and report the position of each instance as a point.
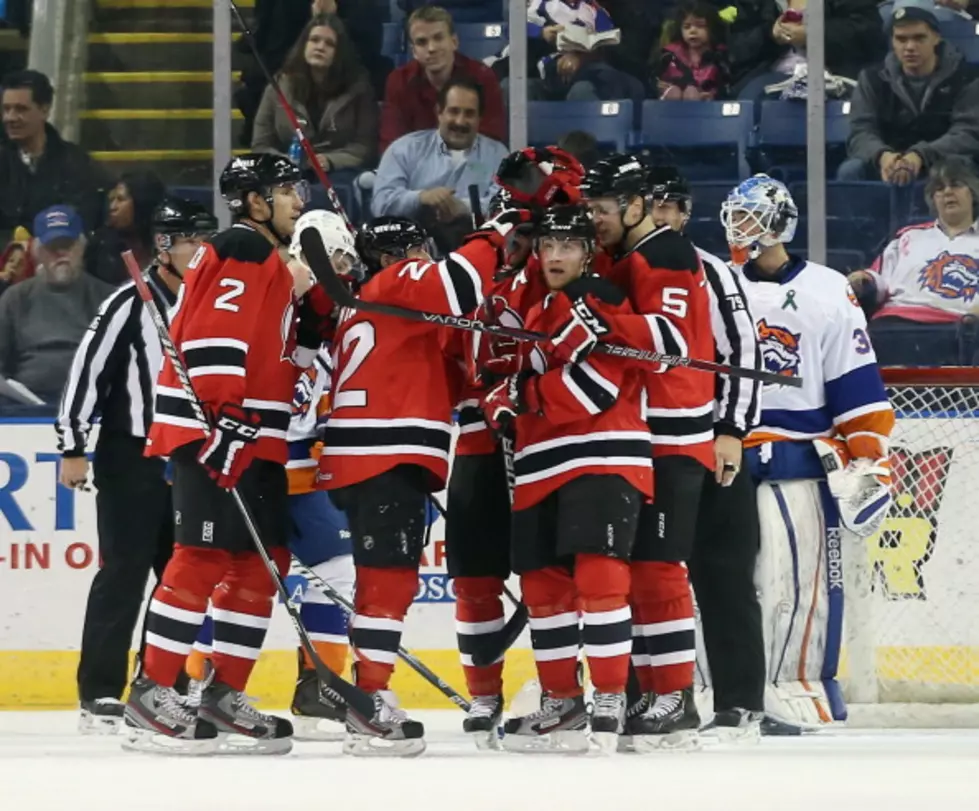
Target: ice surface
(46, 766)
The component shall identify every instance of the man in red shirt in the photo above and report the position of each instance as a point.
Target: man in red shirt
(412, 90)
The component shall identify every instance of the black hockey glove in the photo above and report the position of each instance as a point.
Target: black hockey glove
(230, 448)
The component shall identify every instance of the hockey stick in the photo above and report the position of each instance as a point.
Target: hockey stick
(293, 119)
(331, 684)
(322, 268)
(403, 654)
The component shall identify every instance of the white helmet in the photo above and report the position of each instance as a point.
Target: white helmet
(336, 237)
(759, 213)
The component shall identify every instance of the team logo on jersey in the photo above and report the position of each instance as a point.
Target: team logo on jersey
(779, 349)
(852, 296)
(302, 393)
(951, 276)
(287, 330)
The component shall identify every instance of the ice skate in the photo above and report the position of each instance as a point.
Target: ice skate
(101, 716)
(241, 728)
(389, 733)
(315, 716)
(636, 705)
(607, 716)
(560, 725)
(671, 722)
(483, 721)
(737, 726)
(156, 720)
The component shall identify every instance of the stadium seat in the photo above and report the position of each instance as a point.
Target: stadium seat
(859, 216)
(779, 144)
(841, 260)
(394, 43)
(707, 140)
(704, 226)
(967, 45)
(609, 121)
(480, 40)
(958, 28)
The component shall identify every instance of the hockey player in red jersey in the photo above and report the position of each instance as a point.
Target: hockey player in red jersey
(235, 328)
(386, 443)
(661, 272)
(583, 467)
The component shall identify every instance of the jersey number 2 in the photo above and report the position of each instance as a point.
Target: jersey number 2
(224, 301)
(361, 337)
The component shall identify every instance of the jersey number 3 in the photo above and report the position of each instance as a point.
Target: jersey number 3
(361, 338)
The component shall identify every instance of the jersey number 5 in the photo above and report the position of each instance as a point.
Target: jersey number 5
(361, 338)
(675, 301)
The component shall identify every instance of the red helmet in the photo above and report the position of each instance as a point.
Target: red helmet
(541, 176)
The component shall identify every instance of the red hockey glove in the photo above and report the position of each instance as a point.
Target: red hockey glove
(578, 336)
(495, 357)
(229, 450)
(512, 396)
(498, 229)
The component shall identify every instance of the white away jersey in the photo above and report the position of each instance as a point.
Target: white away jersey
(811, 326)
(926, 275)
(310, 406)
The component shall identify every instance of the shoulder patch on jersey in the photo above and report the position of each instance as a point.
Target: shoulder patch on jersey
(242, 244)
(596, 286)
(670, 250)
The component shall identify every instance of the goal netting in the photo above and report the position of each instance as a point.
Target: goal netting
(912, 607)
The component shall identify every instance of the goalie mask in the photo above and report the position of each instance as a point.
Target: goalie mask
(758, 214)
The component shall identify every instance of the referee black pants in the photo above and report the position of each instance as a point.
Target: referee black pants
(135, 523)
(722, 571)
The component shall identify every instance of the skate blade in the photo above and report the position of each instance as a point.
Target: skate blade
(625, 744)
(89, 724)
(148, 741)
(686, 740)
(740, 736)
(487, 740)
(357, 745)
(607, 743)
(319, 730)
(230, 743)
(564, 741)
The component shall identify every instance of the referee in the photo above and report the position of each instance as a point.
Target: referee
(113, 376)
(722, 566)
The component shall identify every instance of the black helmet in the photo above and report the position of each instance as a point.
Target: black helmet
(389, 235)
(619, 175)
(177, 217)
(257, 172)
(567, 222)
(666, 183)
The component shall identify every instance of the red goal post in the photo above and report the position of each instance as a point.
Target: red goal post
(912, 599)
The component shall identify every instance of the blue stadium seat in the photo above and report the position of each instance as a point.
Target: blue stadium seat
(779, 144)
(704, 226)
(480, 40)
(967, 45)
(841, 260)
(609, 121)
(958, 28)
(859, 216)
(707, 139)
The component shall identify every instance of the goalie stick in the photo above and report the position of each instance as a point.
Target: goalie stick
(319, 262)
(404, 655)
(330, 683)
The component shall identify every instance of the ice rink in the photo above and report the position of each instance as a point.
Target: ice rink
(46, 766)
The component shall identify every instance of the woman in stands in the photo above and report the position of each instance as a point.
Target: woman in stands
(331, 93)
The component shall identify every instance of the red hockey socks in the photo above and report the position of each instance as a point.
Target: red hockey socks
(479, 612)
(549, 595)
(381, 600)
(602, 584)
(663, 624)
(242, 608)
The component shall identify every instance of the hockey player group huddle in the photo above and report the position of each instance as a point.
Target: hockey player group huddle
(606, 483)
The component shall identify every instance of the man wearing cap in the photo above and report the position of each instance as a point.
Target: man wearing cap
(43, 318)
(917, 107)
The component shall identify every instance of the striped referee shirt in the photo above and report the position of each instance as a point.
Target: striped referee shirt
(115, 368)
(737, 400)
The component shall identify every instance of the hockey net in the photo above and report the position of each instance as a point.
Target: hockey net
(912, 639)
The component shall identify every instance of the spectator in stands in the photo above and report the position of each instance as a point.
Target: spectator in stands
(38, 168)
(330, 92)
(15, 261)
(426, 175)
(42, 319)
(573, 71)
(927, 279)
(128, 227)
(918, 107)
(641, 23)
(413, 89)
(581, 145)
(693, 65)
(767, 39)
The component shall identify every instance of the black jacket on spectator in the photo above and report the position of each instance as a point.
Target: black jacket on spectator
(641, 23)
(854, 37)
(884, 117)
(65, 174)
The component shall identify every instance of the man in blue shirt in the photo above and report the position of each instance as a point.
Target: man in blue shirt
(426, 175)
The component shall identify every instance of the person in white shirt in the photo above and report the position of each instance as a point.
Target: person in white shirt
(927, 278)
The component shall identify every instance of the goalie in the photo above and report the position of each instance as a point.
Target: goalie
(819, 454)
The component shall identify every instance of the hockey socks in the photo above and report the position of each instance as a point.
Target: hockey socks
(326, 622)
(664, 649)
(381, 600)
(479, 612)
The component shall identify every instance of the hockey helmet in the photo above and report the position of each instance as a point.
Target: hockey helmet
(390, 235)
(176, 217)
(666, 183)
(336, 238)
(257, 172)
(758, 213)
(541, 176)
(619, 175)
(568, 223)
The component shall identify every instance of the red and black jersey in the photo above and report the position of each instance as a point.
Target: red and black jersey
(591, 419)
(511, 299)
(235, 330)
(666, 284)
(394, 388)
